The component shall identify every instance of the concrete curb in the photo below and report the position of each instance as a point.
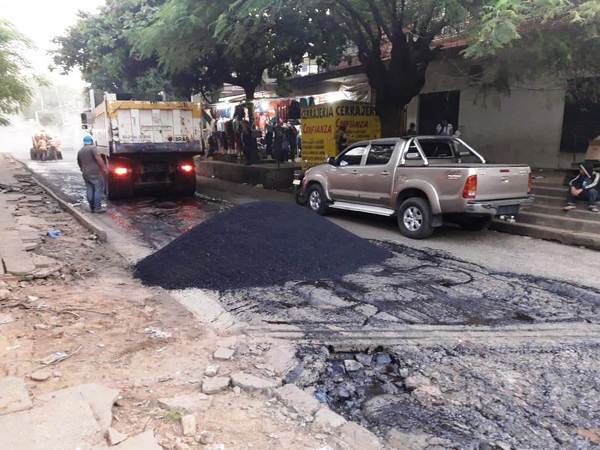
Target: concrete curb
(79, 216)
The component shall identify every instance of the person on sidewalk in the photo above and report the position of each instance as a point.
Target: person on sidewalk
(584, 187)
(93, 170)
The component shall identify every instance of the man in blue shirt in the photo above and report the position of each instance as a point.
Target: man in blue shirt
(93, 170)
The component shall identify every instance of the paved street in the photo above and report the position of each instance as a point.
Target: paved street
(417, 329)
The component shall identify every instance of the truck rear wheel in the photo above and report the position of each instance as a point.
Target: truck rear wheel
(184, 186)
(415, 218)
(118, 189)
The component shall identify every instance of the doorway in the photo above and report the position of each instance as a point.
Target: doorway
(435, 107)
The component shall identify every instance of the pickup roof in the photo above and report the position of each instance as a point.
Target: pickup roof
(423, 180)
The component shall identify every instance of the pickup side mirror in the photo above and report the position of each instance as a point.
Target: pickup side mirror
(331, 160)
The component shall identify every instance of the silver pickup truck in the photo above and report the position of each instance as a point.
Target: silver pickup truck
(425, 181)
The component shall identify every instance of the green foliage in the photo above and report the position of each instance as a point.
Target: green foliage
(100, 46)
(233, 41)
(14, 85)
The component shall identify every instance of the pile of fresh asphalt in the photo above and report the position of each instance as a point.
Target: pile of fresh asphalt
(258, 244)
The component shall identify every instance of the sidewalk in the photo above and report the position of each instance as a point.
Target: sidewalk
(91, 359)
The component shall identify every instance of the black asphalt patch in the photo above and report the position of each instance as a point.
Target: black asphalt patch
(258, 244)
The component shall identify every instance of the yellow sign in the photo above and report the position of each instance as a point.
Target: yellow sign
(320, 125)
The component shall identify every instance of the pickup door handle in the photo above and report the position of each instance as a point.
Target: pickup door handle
(385, 172)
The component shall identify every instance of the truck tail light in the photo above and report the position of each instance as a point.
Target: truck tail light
(186, 168)
(530, 183)
(470, 189)
(120, 171)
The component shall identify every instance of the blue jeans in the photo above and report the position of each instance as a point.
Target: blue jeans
(590, 195)
(94, 192)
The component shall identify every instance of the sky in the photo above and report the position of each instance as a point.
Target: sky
(41, 21)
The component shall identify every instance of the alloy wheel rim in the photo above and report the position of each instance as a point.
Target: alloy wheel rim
(315, 200)
(413, 218)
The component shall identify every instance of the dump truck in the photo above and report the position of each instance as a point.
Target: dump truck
(147, 145)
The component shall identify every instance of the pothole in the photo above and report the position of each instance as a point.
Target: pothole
(463, 395)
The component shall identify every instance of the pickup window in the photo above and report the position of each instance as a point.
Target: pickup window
(380, 155)
(440, 152)
(352, 157)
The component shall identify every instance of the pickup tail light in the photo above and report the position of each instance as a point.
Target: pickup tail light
(470, 190)
(186, 168)
(530, 183)
(120, 171)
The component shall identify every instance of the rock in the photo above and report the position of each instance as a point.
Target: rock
(142, 441)
(5, 294)
(352, 365)
(252, 383)
(356, 437)
(115, 437)
(59, 422)
(41, 375)
(211, 371)
(13, 395)
(100, 399)
(187, 404)
(383, 359)
(282, 358)
(378, 406)
(6, 318)
(43, 262)
(325, 299)
(428, 393)
(41, 326)
(237, 390)
(216, 384)
(188, 425)
(326, 419)
(367, 310)
(364, 359)
(415, 381)
(386, 317)
(297, 400)
(205, 437)
(399, 440)
(593, 435)
(223, 354)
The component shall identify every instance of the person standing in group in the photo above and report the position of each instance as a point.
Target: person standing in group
(94, 169)
(444, 128)
(341, 138)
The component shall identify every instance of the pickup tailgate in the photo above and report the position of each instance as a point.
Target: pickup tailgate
(498, 182)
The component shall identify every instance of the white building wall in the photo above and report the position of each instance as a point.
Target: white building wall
(524, 127)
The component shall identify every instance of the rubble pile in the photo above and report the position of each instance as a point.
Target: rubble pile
(258, 244)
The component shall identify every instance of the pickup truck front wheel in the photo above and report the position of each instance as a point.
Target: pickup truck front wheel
(316, 199)
(415, 218)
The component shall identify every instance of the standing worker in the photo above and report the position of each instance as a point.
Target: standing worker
(93, 170)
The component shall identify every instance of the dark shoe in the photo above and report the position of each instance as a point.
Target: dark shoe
(99, 210)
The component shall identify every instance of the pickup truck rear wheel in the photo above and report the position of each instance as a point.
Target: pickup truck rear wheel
(316, 199)
(415, 218)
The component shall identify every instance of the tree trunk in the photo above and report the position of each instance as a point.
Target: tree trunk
(250, 91)
(392, 119)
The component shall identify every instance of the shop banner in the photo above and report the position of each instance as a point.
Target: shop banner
(321, 123)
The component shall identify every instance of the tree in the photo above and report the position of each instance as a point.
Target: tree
(99, 44)
(15, 91)
(231, 41)
(396, 40)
